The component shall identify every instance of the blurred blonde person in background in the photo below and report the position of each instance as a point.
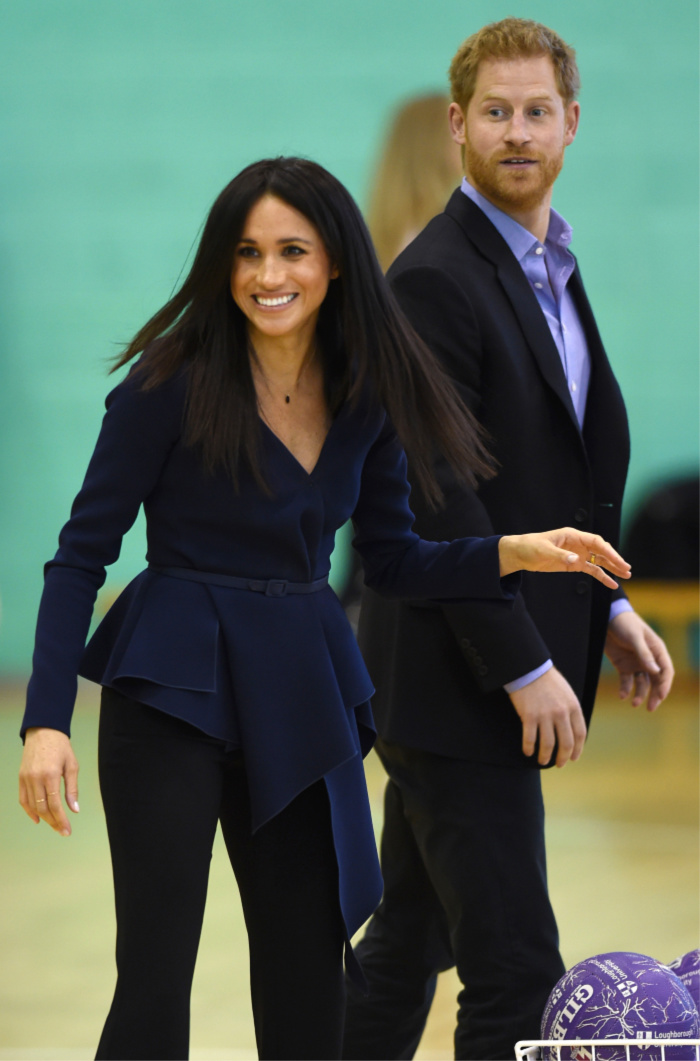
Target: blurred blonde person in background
(417, 171)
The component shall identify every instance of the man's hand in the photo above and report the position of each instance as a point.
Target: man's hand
(48, 758)
(549, 708)
(642, 659)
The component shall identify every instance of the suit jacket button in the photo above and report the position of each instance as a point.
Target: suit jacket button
(466, 643)
(582, 587)
(581, 515)
(483, 670)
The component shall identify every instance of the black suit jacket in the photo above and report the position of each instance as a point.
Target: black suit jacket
(439, 669)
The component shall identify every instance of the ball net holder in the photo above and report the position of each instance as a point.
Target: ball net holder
(635, 1049)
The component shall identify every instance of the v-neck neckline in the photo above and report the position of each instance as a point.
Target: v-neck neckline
(288, 451)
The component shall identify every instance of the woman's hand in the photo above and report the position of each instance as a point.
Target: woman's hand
(48, 757)
(562, 550)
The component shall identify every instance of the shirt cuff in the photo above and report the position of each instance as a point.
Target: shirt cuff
(617, 606)
(527, 679)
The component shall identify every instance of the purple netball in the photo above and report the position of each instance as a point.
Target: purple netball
(620, 996)
(687, 969)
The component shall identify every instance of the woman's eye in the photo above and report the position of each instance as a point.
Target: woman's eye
(247, 252)
(293, 252)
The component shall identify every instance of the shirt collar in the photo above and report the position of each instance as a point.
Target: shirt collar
(520, 241)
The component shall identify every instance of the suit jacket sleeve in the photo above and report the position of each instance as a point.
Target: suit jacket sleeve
(499, 644)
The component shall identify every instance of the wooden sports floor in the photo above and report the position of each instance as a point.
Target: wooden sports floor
(623, 865)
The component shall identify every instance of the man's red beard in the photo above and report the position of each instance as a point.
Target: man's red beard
(522, 190)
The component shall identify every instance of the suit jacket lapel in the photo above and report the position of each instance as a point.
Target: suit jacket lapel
(527, 309)
(605, 404)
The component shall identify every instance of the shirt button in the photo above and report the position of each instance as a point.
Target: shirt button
(539, 250)
(538, 286)
(580, 515)
(563, 327)
(573, 385)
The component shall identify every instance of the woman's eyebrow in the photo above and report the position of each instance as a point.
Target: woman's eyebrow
(285, 239)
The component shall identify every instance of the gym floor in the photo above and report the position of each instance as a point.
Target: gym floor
(623, 847)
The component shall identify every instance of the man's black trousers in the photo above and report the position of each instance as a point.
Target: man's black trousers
(465, 885)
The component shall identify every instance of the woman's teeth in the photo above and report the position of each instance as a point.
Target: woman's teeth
(282, 300)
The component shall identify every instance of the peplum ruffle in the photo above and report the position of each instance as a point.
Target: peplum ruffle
(257, 671)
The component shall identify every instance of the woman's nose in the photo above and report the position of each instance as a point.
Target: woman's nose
(271, 271)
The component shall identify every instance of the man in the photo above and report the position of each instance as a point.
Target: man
(471, 695)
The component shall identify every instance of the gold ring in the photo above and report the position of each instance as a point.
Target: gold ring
(592, 559)
(52, 793)
(41, 801)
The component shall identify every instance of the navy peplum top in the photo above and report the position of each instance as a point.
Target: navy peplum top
(281, 677)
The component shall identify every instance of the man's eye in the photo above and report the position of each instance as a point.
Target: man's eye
(495, 112)
(537, 112)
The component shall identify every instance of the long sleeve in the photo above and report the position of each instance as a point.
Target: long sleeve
(138, 431)
(509, 642)
(396, 561)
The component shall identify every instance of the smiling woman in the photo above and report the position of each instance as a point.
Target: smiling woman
(267, 408)
(360, 334)
(280, 277)
(271, 270)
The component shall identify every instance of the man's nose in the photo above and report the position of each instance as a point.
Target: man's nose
(517, 131)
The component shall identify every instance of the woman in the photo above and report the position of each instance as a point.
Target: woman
(254, 425)
(417, 170)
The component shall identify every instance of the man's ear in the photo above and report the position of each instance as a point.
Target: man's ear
(458, 123)
(571, 120)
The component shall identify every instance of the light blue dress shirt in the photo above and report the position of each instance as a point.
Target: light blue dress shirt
(548, 266)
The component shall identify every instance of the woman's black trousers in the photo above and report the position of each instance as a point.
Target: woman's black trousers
(165, 787)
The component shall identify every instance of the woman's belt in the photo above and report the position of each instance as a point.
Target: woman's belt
(271, 587)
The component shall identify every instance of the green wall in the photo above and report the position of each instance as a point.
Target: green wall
(121, 121)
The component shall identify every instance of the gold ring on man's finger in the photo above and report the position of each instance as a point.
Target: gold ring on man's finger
(592, 559)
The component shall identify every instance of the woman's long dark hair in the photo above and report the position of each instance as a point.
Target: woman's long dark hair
(363, 336)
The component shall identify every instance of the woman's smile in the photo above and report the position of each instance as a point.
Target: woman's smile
(280, 273)
(274, 303)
